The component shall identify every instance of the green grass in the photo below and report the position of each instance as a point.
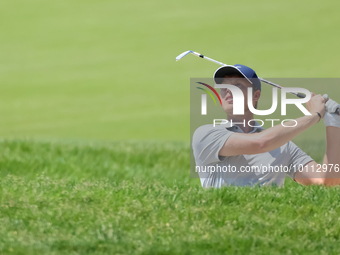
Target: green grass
(136, 198)
(116, 160)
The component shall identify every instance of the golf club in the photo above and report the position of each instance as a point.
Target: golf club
(182, 55)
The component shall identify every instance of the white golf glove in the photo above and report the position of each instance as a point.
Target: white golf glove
(331, 119)
(331, 105)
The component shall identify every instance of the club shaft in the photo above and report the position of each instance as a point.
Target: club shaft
(280, 87)
(210, 59)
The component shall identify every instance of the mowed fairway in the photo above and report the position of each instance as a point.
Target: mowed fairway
(106, 69)
(94, 127)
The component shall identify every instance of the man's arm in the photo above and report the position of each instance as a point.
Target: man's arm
(329, 173)
(274, 137)
(267, 140)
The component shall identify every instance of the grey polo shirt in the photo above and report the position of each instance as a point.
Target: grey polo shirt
(243, 170)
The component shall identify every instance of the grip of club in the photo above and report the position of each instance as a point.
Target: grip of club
(300, 95)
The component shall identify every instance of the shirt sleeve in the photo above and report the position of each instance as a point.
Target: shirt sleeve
(298, 158)
(207, 141)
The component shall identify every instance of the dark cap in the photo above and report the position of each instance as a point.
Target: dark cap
(245, 71)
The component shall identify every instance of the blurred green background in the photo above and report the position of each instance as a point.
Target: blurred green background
(106, 69)
(83, 80)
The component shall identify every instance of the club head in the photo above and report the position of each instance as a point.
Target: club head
(182, 55)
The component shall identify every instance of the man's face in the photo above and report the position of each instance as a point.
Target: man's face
(226, 96)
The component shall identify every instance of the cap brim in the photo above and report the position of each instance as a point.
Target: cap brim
(221, 72)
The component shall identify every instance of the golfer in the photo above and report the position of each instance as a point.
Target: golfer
(245, 154)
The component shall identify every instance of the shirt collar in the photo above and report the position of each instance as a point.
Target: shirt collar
(235, 128)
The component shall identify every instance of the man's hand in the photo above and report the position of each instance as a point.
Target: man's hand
(331, 105)
(316, 104)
